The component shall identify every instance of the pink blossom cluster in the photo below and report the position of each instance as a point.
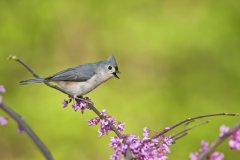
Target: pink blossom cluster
(105, 123)
(234, 139)
(146, 148)
(78, 104)
(204, 147)
(141, 149)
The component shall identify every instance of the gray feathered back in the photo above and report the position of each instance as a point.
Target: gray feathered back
(79, 73)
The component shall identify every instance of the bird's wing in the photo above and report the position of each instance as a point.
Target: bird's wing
(78, 74)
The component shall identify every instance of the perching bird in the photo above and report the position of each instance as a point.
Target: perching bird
(82, 79)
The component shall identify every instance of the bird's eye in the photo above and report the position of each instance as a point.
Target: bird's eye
(110, 67)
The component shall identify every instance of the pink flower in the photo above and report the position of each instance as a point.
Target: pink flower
(223, 130)
(167, 128)
(2, 89)
(65, 103)
(216, 156)
(204, 146)
(3, 120)
(79, 106)
(82, 107)
(94, 121)
(234, 142)
(145, 133)
(120, 126)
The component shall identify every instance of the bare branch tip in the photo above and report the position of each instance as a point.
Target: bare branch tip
(232, 114)
(11, 57)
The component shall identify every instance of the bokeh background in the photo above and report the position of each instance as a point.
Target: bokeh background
(178, 59)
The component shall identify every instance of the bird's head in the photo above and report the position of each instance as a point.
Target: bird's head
(109, 67)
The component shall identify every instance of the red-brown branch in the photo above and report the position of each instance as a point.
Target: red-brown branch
(28, 130)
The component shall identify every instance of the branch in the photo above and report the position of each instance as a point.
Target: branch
(217, 142)
(192, 119)
(28, 130)
(35, 74)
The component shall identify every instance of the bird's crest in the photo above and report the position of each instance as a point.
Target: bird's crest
(112, 60)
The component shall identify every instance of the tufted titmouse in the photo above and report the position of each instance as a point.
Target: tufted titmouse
(82, 79)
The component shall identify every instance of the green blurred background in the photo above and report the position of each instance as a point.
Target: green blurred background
(178, 59)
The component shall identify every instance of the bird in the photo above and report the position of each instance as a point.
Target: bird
(82, 79)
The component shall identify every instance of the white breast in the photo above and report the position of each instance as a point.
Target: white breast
(82, 88)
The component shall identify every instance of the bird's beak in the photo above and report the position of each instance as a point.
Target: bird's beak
(115, 74)
(117, 71)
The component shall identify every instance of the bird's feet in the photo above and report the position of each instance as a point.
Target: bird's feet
(84, 100)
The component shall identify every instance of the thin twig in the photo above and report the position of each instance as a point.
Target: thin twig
(128, 154)
(191, 119)
(180, 136)
(28, 130)
(217, 142)
(186, 130)
(35, 74)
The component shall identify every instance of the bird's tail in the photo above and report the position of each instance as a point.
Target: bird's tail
(36, 80)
